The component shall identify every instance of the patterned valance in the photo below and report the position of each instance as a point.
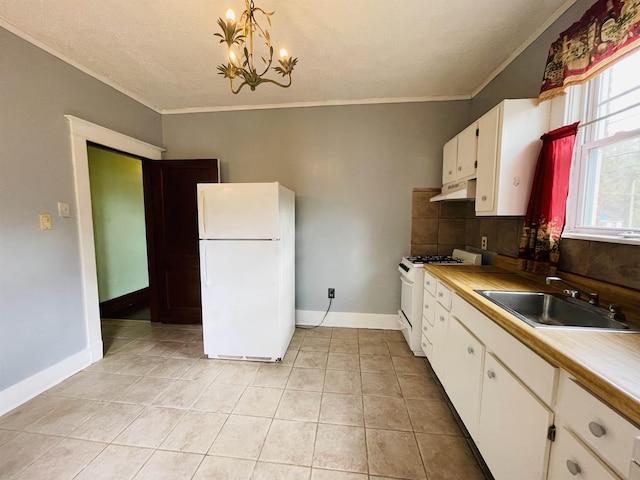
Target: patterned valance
(609, 30)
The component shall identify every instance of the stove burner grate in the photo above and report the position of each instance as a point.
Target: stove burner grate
(433, 259)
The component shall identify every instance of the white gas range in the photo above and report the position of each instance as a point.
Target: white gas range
(412, 278)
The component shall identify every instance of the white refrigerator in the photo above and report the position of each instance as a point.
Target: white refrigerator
(247, 269)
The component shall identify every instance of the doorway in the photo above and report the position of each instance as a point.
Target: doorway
(117, 203)
(82, 134)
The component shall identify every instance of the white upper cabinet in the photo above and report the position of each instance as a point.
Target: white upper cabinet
(459, 156)
(467, 152)
(449, 161)
(508, 148)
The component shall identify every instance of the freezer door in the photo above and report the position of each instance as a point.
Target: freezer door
(238, 211)
(241, 296)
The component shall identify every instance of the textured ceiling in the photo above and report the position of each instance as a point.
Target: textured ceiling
(163, 52)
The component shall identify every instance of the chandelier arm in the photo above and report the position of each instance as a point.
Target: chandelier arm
(268, 65)
(235, 92)
(268, 80)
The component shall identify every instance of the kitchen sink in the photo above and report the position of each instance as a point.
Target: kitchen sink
(552, 310)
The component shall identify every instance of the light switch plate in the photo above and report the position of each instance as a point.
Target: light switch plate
(64, 210)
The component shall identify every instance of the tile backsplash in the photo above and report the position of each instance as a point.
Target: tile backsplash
(439, 227)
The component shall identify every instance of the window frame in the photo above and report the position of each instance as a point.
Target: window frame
(577, 102)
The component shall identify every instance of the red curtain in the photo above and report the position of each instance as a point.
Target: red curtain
(609, 30)
(539, 245)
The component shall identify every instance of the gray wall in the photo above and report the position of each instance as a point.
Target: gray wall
(522, 77)
(353, 169)
(41, 316)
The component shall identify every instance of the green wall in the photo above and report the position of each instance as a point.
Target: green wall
(117, 203)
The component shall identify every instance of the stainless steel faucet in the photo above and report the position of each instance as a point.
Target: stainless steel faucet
(573, 291)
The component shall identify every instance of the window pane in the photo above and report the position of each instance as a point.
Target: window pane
(617, 91)
(612, 185)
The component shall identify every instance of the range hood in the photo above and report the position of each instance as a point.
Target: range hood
(462, 190)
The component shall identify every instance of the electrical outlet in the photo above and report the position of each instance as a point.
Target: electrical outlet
(45, 222)
(332, 293)
(483, 243)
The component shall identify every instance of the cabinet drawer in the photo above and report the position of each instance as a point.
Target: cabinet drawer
(441, 317)
(427, 347)
(430, 283)
(428, 307)
(570, 460)
(443, 295)
(427, 330)
(608, 433)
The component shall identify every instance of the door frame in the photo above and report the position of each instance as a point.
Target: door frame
(82, 132)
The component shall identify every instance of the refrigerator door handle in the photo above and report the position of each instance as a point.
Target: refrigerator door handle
(204, 265)
(202, 215)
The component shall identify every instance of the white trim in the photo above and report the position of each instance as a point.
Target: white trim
(325, 103)
(348, 319)
(601, 238)
(26, 389)
(43, 46)
(557, 14)
(82, 132)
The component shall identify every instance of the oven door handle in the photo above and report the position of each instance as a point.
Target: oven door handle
(406, 282)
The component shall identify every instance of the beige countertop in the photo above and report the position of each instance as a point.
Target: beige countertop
(606, 363)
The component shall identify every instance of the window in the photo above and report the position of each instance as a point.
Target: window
(604, 196)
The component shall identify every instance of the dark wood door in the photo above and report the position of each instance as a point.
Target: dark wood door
(171, 211)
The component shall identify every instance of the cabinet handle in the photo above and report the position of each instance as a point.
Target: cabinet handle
(484, 198)
(440, 294)
(491, 374)
(573, 467)
(597, 430)
(450, 172)
(470, 350)
(441, 318)
(459, 169)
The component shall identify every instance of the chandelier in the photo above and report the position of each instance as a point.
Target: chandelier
(239, 37)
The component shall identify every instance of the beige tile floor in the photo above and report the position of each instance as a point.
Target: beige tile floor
(344, 404)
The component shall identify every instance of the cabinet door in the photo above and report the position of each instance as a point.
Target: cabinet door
(449, 160)
(488, 126)
(513, 426)
(464, 381)
(440, 344)
(467, 152)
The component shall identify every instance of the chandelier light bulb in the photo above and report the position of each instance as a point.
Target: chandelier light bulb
(231, 17)
(232, 57)
(283, 53)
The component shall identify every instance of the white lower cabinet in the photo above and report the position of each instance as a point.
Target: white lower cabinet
(514, 426)
(570, 459)
(439, 356)
(603, 432)
(512, 400)
(464, 374)
(504, 415)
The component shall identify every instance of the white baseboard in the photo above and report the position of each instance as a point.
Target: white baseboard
(348, 319)
(25, 390)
